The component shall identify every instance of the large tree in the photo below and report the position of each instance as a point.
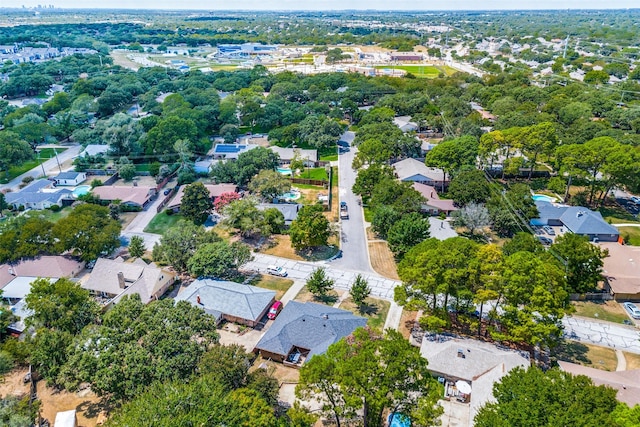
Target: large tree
(89, 231)
(269, 184)
(219, 259)
(179, 243)
(365, 375)
(14, 151)
(453, 154)
(583, 261)
(246, 166)
(311, 228)
(553, 398)
(469, 186)
(196, 203)
(410, 230)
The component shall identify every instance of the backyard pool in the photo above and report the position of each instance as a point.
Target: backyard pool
(290, 196)
(81, 190)
(284, 171)
(543, 198)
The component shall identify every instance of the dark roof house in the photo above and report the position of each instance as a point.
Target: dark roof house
(288, 210)
(304, 329)
(229, 301)
(38, 195)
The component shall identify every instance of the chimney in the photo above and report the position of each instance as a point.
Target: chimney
(121, 281)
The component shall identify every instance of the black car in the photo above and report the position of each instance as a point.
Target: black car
(545, 240)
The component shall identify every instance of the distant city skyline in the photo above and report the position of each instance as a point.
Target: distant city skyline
(381, 5)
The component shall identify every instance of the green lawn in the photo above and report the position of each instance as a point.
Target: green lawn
(329, 158)
(49, 215)
(631, 235)
(368, 214)
(45, 154)
(609, 311)
(162, 222)
(143, 167)
(374, 310)
(422, 71)
(616, 215)
(278, 284)
(314, 173)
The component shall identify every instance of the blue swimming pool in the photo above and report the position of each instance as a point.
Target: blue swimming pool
(81, 190)
(543, 198)
(284, 171)
(399, 420)
(290, 196)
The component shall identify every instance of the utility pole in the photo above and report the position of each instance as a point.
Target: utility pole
(44, 174)
(57, 160)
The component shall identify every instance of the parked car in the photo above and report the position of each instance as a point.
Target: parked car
(277, 271)
(275, 309)
(545, 240)
(635, 199)
(166, 191)
(633, 310)
(549, 230)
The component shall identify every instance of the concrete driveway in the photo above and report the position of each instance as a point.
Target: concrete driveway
(605, 334)
(353, 239)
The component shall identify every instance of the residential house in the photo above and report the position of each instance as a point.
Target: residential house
(203, 166)
(406, 57)
(95, 149)
(469, 368)
(433, 205)
(627, 383)
(70, 178)
(39, 194)
(309, 157)
(16, 279)
(405, 124)
(576, 219)
(231, 151)
(66, 419)
(133, 196)
(621, 271)
(111, 280)
(302, 330)
(233, 302)
(215, 191)
(288, 210)
(412, 170)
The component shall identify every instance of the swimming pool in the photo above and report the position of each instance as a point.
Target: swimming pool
(284, 171)
(543, 198)
(81, 190)
(291, 195)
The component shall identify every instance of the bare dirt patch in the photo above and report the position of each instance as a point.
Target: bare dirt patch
(633, 361)
(12, 384)
(280, 246)
(140, 181)
(406, 322)
(126, 218)
(120, 58)
(382, 260)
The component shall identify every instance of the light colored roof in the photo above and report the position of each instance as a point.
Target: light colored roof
(66, 419)
(18, 288)
(289, 210)
(287, 154)
(622, 268)
(409, 167)
(232, 151)
(223, 297)
(93, 149)
(626, 382)
(136, 195)
(215, 190)
(479, 357)
(309, 326)
(44, 266)
(140, 278)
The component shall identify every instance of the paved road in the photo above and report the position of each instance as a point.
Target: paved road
(50, 166)
(381, 287)
(353, 238)
(142, 219)
(605, 334)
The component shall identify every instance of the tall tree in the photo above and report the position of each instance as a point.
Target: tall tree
(410, 230)
(14, 151)
(318, 283)
(583, 261)
(136, 247)
(452, 155)
(360, 290)
(179, 243)
(311, 228)
(366, 374)
(532, 398)
(196, 203)
(219, 259)
(269, 184)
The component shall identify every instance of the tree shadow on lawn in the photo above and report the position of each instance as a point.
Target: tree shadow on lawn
(571, 351)
(368, 309)
(328, 299)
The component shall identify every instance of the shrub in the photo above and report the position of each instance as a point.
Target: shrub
(96, 183)
(27, 179)
(54, 208)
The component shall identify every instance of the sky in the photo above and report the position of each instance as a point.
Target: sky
(331, 4)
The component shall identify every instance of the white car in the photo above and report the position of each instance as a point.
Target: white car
(276, 271)
(632, 309)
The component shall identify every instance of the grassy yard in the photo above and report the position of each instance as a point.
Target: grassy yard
(282, 248)
(374, 310)
(422, 71)
(633, 361)
(314, 173)
(631, 235)
(589, 355)
(45, 154)
(332, 296)
(329, 158)
(49, 215)
(609, 311)
(617, 215)
(278, 284)
(382, 260)
(162, 222)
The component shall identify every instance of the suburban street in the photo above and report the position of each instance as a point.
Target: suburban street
(50, 166)
(353, 240)
(605, 334)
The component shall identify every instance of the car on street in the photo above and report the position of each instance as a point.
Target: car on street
(549, 230)
(275, 309)
(277, 271)
(635, 199)
(633, 309)
(166, 191)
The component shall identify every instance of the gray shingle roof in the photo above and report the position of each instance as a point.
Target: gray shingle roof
(68, 175)
(549, 211)
(33, 193)
(310, 326)
(409, 167)
(585, 221)
(289, 210)
(233, 299)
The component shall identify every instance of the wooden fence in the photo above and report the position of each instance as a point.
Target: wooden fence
(318, 182)
(591, 296)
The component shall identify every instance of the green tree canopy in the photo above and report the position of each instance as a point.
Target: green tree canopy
(219, 259)
(196, 203)
(269, 184)
(179, 243)
(311, 228)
